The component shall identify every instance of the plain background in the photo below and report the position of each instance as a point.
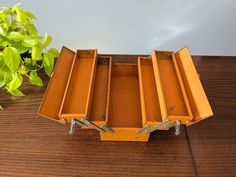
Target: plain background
(208, 27)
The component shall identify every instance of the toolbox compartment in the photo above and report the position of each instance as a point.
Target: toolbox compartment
(101, 89)
(200, 106)
(124, 107)
(172, 96)
(151, 112)
(77, 98)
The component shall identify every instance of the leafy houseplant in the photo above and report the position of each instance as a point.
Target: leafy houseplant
(22, 52)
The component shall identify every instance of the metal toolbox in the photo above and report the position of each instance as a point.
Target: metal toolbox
(125, 101)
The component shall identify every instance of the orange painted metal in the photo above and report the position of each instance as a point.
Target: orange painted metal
(53, 97)
(124, 101)
(172, 95)
(200, 106)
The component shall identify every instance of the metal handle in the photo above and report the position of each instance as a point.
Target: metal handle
(177, 128)
(108, 129)
(142, 129)
(72, 127)
(73, 124)
(86, 121)
(170, 125)
(175, 124)
(158, 126)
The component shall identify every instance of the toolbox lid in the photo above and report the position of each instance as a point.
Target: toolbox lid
(199, 104)
(53, 96)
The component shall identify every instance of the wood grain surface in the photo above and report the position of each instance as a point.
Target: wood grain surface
(34, 146)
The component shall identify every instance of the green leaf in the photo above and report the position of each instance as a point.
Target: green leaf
(31, 29)
(30, 15)
(2, 31)
(28, 62)
(16, 93)
(22, 70)
(47, 40)
(35, 79)
(12, 58)
(6, 23)
(7, 76)
(20, 15)
(2, 63)
(4, 43)
(48, 63)
(16, 5)
(15, 83)
(14, 24)
(37, 52)
(54, 52)
(20, 48)
(2, 81)
(31, 41)
(15, 36)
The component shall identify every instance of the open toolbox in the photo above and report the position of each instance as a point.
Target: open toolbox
(125, 101)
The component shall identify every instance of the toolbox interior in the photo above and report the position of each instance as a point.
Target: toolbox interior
(124, 99)
(174, 100)
(99, 98)
(79, 84)
(150, 95)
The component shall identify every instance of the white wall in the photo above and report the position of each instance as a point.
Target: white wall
(138, 26)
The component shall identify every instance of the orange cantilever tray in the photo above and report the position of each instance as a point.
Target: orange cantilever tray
(125, 101)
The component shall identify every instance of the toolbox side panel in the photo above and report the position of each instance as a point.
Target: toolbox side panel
(200, 106)
(53, 96)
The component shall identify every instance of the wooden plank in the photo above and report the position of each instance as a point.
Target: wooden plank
(213, 141)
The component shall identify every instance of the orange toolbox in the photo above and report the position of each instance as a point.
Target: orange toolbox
(125, 101)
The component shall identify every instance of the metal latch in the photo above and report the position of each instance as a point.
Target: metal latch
(175, 124)
(73, 124)
(86, 121)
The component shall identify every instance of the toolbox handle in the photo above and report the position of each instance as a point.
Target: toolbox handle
(175, 124)
(73, 124)
(108, 129)
(142, 129)
(158, 126)
(86, 121)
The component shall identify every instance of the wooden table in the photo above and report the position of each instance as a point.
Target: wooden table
(34, 146)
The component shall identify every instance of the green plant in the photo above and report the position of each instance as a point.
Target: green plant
(22, 51)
